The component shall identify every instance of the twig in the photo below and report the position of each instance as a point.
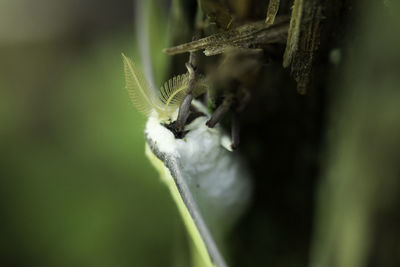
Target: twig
(245, 36)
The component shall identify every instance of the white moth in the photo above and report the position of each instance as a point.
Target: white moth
(209, 183)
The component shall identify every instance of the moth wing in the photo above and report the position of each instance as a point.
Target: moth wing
(205, 247)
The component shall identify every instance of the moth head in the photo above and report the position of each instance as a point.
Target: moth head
(163, 103)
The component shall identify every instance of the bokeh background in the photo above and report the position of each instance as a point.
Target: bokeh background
(77, 190)
(75, 187)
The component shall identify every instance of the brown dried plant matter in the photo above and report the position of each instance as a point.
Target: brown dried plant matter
(303, 40)
(250, 35)
(273, 8)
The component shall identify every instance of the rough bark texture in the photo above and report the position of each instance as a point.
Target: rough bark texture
(284, 130)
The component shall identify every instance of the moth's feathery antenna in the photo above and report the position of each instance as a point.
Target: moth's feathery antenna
(145, 99)
(173, 91)
(141, 93)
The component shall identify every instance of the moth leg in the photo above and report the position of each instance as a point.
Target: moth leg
(235, 128)
(220, 112)
(184, 108)
(244, 100)
(194, 114)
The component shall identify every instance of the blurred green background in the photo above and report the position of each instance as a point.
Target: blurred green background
(77, 190)
(75, 187)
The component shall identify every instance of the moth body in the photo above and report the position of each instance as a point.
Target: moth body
(216, 177)
(208, 181)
